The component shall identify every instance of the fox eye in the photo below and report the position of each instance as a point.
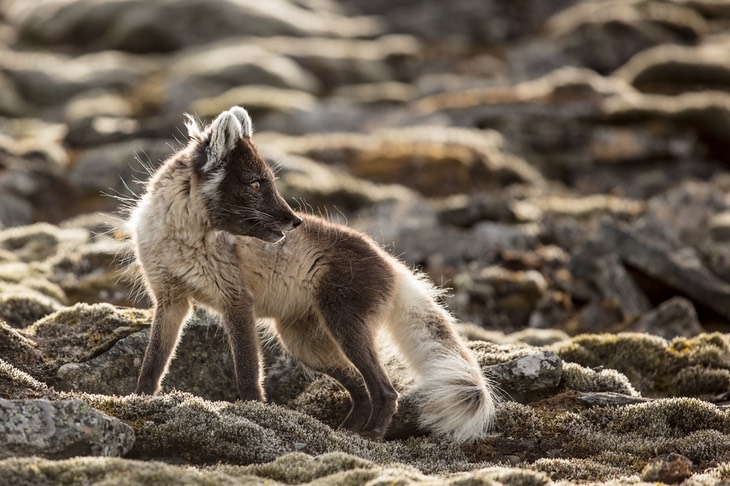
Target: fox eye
(255, 185)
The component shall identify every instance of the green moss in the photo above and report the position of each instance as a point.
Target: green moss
(297, 467)
(654, 366)
(92, 470)
(580, 378)
(575, 469)
(15, 384)
(180, 426)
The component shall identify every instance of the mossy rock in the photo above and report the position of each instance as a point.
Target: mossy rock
(15, 384)
(698, 366)
(82, 331)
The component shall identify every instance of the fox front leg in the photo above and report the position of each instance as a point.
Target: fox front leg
(168, 318)
(240, 326)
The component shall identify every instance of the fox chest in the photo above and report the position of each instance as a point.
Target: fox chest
(279, 284)
(208, 274)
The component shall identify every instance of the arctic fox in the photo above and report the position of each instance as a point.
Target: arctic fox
(212, 228)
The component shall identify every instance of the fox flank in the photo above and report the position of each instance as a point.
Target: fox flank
(212, 228)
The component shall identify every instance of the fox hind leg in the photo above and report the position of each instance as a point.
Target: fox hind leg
(355, 339)
(361, 409)
(310, 343)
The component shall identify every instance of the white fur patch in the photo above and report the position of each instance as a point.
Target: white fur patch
(224, 134)
(210, 187)
(244, 120)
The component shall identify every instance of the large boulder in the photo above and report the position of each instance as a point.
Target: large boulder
(59, 430)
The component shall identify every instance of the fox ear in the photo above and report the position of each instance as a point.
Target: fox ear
(243, 119)
(224, 134)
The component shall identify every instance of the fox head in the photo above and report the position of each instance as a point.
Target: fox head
(235, 184)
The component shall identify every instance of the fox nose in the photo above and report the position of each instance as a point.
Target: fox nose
(297, 222)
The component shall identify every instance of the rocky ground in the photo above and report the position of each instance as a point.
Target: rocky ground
(559, 166)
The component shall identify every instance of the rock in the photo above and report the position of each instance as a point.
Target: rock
(681, 271)
(464, 211)
(19, 351)
(202, 365)
(37, 242)
(11, 103)
(315, 187)
(443, 250)
(117, 170)
(529, 377)
(181, 425)
(545, 119)
(710, 9)
(681, 215)
(60, 430)
(675, 317)
(604, 36)
(286, 378)
(80, 332)
(15, 211)
(133, 26)
(50, 79)
(270, 106)
(670, 468)
(378, 93)
(338, 62)
(677, 69)
(608, 399)
(498, 298)
(326, 401)
(32, 190)
(613, 281)
(291, 468)
(720, 227)
(533, 337)
(436, 161)
(210, 70)
(23, 308)
(100, 130)
(705, 113)
(611, 145)
(114, 372)
(101, 271)
(27, 280)
(469, 22)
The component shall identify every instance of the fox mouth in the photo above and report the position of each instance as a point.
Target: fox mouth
(273, 236)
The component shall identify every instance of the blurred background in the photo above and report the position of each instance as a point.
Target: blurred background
(553, 163)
